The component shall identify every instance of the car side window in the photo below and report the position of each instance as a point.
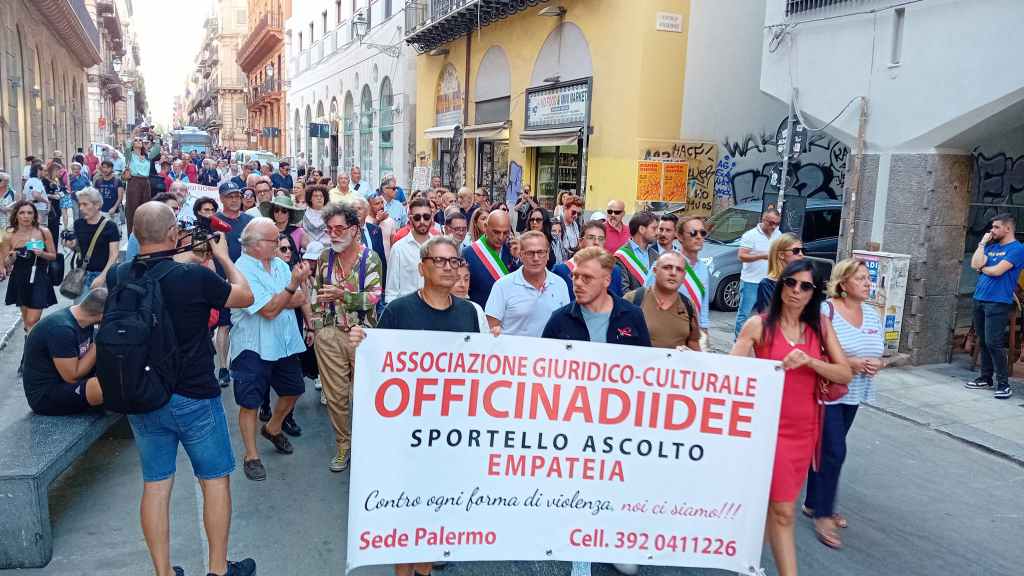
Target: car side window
(820, 224)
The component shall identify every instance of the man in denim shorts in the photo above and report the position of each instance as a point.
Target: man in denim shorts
(194, 416)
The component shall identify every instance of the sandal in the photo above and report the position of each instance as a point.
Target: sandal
(828, 536)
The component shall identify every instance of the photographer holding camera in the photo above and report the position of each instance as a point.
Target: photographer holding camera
(194, 415)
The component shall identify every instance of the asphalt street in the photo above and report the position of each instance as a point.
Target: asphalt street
(919, 503)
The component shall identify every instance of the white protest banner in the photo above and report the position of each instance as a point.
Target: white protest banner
(200, 191)
(471, 447)
(421, 178)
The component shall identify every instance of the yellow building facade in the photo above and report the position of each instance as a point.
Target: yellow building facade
(561, 97)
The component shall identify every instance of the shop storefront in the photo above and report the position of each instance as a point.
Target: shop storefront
(556, 123)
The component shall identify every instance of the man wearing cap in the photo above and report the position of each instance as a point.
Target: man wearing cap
(231, 214)
(282, 178)
(615, 232)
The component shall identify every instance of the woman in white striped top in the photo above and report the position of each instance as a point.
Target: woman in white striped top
(859, 331)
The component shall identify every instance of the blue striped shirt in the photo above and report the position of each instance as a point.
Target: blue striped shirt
(863, 342)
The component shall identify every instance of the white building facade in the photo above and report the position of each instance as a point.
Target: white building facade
(352, 88)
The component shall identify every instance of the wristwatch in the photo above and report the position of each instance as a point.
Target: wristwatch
(290, 291)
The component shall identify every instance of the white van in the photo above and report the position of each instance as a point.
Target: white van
(261, 156)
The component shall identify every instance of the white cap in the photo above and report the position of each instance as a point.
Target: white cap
(598, 216)
(313, 250)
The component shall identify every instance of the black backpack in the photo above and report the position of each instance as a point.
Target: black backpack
(137, 359)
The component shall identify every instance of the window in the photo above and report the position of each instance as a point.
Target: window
(311, 35)
(797, 6)
(337, 11)
(348, 130)
(387, 9)
(300, 41)
(820, 224)
(324, 18)
(241, 17)
(366, 132)
(387, 105)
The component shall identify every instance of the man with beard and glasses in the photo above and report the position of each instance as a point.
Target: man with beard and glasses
(403, 276)
(348, 288)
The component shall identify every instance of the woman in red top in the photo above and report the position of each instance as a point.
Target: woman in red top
(793, 331)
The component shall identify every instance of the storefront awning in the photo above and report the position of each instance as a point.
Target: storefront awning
(553, 137)
(440, 132)
(490, 131)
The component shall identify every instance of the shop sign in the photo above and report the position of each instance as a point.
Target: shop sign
(668, 22)
(559, 106)
(317, 130)
(448, 106)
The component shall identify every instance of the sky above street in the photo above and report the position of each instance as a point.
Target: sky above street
(169, 35)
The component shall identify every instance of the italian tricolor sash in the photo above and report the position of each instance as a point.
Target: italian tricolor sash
(694, 287)
(570, 264)
(628, 257)
(491, 260)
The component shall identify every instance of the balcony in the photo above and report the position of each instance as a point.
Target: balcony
(304, 60)
(266, 92)
(433, 23)
(265, 37)
(110, 21)
(70, 20)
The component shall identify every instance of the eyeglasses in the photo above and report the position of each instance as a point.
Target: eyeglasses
(536, 253)
(338, 230)
(702, 233)
(444, 262)
(421, 218)
(797, 250)
(593, 238)
(532, 220)
(793, 282)
(614, 212)
(772, 223)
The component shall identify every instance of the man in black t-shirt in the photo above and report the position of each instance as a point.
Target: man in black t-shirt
(105, 250)
(432, 307)
(194, 416)
(110, 188)
(60, 357)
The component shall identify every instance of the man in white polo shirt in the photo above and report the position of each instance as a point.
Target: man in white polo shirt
(521, 303)
(753, 253)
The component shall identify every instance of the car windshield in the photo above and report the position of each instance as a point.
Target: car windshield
(727, 226)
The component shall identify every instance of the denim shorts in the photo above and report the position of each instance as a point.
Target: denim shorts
(252, 378)
(198, 424)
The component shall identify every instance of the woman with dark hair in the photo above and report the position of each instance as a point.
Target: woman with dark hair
(793, 331)
(540, 220)
(312, 221)
(31, 251)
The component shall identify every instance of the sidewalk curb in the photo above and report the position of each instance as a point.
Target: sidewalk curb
(8, 333)
(984, 447)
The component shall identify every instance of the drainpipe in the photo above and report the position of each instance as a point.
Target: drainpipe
(858, 158)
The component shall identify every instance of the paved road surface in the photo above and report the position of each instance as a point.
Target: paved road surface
(919, 503)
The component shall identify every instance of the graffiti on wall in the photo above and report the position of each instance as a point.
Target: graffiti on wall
(702, 158)
(997, 186)
(744, 171)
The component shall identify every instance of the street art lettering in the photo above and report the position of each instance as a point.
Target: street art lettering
(998, 186)
(744, 173)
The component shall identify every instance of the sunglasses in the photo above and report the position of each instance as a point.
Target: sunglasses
(702, 233)
(338, 230)
(615, 212)
(421, 218)
(535, 220)
(796, 250)
(793, 283)
(284, 249)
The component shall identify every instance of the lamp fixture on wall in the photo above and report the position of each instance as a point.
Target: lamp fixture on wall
(361, 25)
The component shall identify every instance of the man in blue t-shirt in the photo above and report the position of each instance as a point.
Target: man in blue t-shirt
(998, 258)
(109, 187)
(282, 178)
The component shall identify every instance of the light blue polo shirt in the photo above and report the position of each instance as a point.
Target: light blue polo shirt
(522, 309)
(397, 211)
(270, 339)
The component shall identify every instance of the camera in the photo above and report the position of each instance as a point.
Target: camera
(68, 236)
(197, 235)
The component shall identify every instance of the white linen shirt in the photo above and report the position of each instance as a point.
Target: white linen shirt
(755, 240)
(522, 309)
(403, 269)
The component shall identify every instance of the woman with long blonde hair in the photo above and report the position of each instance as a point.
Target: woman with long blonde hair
(783, 250)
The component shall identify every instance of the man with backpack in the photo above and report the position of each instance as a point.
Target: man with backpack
(155, 363)
(265, 342)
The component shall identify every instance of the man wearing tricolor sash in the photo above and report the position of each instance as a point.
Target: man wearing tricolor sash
(696, 277)
(489, 257)
(635, 258)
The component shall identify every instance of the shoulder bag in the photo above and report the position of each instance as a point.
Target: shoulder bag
(829, 391)
(74, 283)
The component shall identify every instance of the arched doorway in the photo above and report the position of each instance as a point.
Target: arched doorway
(491, 121)
(348, 130)
(558, 134)
(309, 138)
(387, 108)
(334, 121)
(366, 135)
(320, 147)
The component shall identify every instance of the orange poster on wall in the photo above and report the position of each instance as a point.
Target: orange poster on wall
(673, 186)
(648, 181)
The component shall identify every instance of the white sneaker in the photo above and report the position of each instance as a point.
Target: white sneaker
(580, 569)
(323, 397)
(316, 383)
(627, 569)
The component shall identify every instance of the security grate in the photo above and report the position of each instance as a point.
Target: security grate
(801, 6)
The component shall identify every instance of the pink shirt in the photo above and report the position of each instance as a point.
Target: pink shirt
(614, 239)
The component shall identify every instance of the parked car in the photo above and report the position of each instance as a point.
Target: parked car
(261, 156)
(820, 238)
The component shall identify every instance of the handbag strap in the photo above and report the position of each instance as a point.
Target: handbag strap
(95, 237)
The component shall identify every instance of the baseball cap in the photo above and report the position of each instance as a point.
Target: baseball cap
(228, 187)
(598, 216)
(34, 186)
